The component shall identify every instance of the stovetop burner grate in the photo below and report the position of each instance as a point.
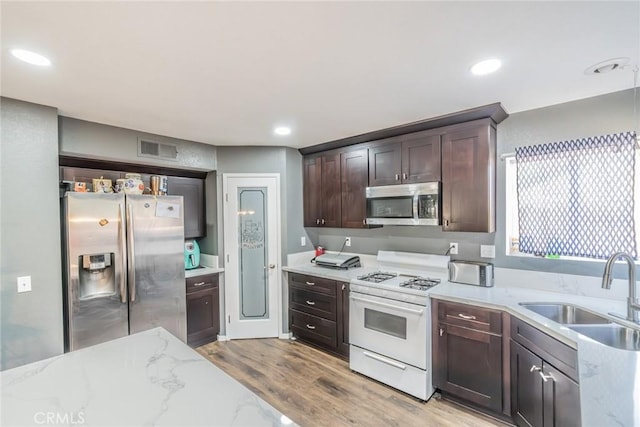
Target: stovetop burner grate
(377, 276)
(420, 283)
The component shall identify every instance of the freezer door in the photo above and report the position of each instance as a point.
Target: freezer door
(95, 285)
(155, 228)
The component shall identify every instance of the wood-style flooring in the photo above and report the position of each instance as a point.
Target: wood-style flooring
(316, 389)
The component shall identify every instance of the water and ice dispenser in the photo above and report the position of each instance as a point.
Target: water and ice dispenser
(97, 276)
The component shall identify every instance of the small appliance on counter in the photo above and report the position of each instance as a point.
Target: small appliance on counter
(471, 273)
(338, 261)
(191, 255)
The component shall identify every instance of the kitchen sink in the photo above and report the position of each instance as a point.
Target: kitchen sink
(566, 314)
(613, 335)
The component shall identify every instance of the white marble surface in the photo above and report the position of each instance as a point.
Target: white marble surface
(147, 379)
(208, 265)
(301, 263)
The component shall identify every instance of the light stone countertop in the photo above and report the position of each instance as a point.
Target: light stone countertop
(195, 272)
(150, 378)
(609, 377)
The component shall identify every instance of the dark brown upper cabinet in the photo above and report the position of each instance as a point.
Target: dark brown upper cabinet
(192, 192)
(322, 196)
(469, 178)
(406, 159)
(354, 176)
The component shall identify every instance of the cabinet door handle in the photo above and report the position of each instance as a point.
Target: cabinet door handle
(310, 326)
(310, 283)
(206, 302)
(404, 176)
(441, 332)
(310, 302)
(466, 316)
(199, 283)
(364, 222)
(397, 177)
(344, 286)
(547, 377)
(446, 222)
(317, 221)
(535, 368)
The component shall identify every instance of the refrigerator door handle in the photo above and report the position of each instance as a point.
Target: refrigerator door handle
(123, 257)
(131, 255)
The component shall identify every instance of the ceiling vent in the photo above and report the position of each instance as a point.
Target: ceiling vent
(606, 66)
(157, 150)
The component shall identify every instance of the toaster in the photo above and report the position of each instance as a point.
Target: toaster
(471, 273)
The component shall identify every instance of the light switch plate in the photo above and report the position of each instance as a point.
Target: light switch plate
(24, 284)
(487, 251)
(303, 241)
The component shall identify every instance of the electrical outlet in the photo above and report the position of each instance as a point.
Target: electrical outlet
(303, 241)
(487, 251)
(347, 241)
(454, 249)
(24, 284)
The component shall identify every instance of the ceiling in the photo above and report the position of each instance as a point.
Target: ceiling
(226, 73)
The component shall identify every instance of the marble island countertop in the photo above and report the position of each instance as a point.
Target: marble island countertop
(150, 378)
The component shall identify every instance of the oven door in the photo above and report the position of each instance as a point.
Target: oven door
(392, 328)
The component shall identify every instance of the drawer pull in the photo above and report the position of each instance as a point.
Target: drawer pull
(397, 177)
(199, 283)
(384, 360)
(466, 316)
(310, 283)
(310, 327)
(310, 302)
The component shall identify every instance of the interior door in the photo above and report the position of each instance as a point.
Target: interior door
(252, 255)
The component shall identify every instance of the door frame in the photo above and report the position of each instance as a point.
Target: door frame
(278, 269)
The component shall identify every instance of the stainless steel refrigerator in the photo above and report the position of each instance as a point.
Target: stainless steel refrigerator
(124, 268)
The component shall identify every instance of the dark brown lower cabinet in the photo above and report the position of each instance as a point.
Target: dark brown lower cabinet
(317, 312)
(203, 310)
(471, 366)
(541, 394)
(467, 354)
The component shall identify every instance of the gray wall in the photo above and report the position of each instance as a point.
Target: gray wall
(32, 325)
(589, 117)
(288, 163)
(80, 138)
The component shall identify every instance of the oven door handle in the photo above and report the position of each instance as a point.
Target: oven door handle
(395, 307)
(384, 360)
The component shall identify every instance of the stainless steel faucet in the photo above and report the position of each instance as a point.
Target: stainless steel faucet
(633, 307)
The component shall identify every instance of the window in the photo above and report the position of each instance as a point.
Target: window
(573, 198)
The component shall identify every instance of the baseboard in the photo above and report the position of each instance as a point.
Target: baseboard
(285, 336)
(222, 338)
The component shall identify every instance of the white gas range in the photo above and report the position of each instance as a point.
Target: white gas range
(390, 318)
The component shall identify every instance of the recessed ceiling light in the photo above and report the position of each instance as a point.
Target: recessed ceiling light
(486, 67)
(282, 130)
(31, 57)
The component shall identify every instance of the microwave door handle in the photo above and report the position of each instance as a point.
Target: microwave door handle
(415, 206)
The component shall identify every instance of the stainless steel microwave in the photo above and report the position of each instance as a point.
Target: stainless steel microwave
(404, 204)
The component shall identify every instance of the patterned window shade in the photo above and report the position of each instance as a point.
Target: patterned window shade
(575, 197)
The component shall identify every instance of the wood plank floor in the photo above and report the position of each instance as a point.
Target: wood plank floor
(316, 389)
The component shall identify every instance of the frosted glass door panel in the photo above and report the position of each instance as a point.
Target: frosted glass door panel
(253, 255)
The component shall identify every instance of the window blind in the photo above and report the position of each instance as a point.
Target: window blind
(575, 197)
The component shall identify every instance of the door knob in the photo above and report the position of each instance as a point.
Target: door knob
(272, 266)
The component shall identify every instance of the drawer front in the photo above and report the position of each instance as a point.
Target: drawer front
(317, 304)
(313, 328)
(317, 284)
(470, 316)
(198, 283)
(558, 354)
